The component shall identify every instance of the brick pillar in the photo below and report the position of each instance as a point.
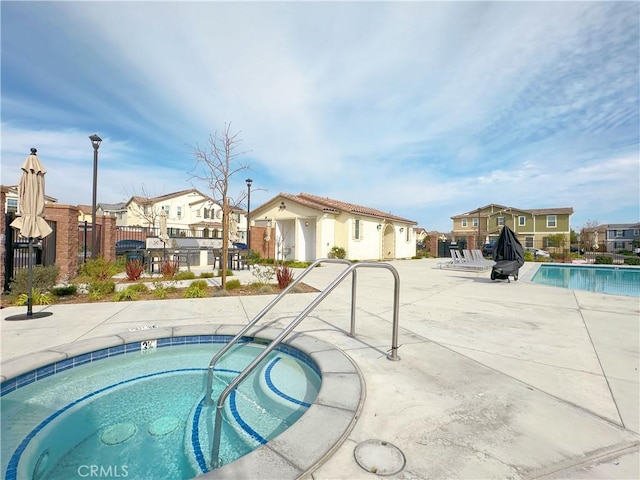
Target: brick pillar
(265, 249)
(66, 218)
(108, 245)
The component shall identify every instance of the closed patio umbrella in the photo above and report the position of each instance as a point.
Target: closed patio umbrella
(164, 236)
(30, 223)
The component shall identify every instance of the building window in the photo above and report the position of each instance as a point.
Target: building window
(205, 233)
(552, 221)
(216, 233)
(522, 221)
(619, 233)
(475, 222)
(356, 229)
(12, 205)
(500, 221)
(198, 213)
(528, 242)
(636, 232)
(179, 212)
(206, 213)
(545, 242)
(145, 209)
(408, 236)
(464, 223)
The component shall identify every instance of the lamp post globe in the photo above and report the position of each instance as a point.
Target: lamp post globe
(95, 142)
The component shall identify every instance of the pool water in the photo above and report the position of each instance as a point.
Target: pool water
(133, 415)
(601, 279)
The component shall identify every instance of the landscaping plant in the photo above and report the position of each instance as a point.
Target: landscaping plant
(134, 270)
(284, 276)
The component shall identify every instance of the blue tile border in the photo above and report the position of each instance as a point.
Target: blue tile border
(62, 365)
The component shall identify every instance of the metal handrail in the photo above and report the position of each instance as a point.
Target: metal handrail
(208, 400)
(215, 449)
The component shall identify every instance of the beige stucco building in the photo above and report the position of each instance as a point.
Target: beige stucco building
(306, 227)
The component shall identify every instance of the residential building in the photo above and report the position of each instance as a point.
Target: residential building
(117, 210)
(621, 236)
(11, 204)
(544, 228)
(306, 227)
(190, 213)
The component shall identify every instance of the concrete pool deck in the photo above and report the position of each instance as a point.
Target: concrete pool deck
(495, 379)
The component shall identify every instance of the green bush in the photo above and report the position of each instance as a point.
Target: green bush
(337, 252)
(186, 275)
(229, 273)
(528, 256)
(197, 289)
(233, 284)
(206, 275)
(65, 290)
(160, 289)
(604, 260)
(99, 289)
(43, 280)
(37, 298)
(128, 294)
(98, 269)
(296, 264)
(139, 287)
(632, 261)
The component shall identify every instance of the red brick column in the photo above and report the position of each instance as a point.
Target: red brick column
(258, 244)
(66, 218)
(108, 246)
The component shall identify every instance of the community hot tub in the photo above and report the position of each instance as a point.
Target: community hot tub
(131, 406)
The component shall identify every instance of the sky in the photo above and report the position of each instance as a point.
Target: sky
(425, 110)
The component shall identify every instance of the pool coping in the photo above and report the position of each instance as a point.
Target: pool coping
(296, 452)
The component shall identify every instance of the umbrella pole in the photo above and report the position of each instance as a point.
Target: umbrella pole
(30, 280)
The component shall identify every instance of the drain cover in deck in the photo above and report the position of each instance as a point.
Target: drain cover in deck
(379, 457)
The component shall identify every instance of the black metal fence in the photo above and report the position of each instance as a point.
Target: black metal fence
(17, 250)
(142, 233)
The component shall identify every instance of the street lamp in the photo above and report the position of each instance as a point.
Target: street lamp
(95, 141)
(249, 182)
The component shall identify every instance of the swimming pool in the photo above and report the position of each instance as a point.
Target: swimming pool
(615, 280)
(141, 419)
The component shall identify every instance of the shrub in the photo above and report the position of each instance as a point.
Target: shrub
(604, 260)
(98, 269)
(632, 261)
(295, 264)
(160, 290)
(264, 274)
(186, 275)
(37, 298)
(128, 294)
(139, 287)
(233, 284)
(197, 289)
(253, 258)
(99, 289)
(285, 276)
(206, 275)
(65, 290)
(528, 256)
(43, 280)
(169, 268)
(229, 273)
(134, 270)
(337, 252)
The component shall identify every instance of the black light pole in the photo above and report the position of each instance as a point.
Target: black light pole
(249, 182)
(95, 141)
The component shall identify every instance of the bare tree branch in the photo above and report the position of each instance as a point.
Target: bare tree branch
(216, 164)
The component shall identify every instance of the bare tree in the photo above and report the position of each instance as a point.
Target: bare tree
(216, 163)
(143, 207)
